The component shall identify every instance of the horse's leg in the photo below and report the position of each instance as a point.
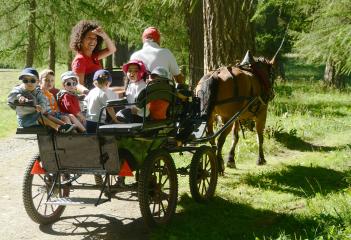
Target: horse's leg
(260, 125)
(231, 157)
(220, 143)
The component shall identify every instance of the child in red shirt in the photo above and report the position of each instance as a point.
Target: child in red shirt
(68, 100)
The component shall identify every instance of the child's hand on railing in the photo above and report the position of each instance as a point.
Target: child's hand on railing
(22, 99)
(38, 108)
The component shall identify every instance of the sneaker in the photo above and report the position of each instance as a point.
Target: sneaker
(66, 128)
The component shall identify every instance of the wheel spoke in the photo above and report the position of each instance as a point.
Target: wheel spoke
(40, 202)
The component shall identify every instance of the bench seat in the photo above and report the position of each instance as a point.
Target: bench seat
(134, 128)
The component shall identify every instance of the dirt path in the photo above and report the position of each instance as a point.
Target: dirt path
(113, 220)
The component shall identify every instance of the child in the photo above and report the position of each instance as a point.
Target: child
(28, 116)
(96, 99)
(135, 71)
(158, 108)
(46, 81)
(68, 100)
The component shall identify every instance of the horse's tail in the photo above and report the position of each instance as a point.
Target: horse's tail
(208, 94)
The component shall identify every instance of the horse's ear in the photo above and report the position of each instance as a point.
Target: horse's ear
(273, 61)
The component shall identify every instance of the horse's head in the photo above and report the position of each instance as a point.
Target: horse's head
(264, 69)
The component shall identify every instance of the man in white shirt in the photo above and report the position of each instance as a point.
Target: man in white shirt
(153, 55)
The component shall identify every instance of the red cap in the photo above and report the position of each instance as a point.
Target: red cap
(151, 33)
(142, 68)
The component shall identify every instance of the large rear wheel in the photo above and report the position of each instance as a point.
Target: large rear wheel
(35, 190)
(158, 188)
(203, 174)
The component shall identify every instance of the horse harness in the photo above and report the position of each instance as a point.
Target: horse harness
(236, 98)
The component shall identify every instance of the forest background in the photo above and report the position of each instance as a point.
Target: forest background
(36, 33)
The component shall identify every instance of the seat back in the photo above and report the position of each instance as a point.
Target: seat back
(158, 89)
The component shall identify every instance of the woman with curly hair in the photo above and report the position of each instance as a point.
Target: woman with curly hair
(86, 39)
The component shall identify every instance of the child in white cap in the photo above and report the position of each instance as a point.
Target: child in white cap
(69, 102)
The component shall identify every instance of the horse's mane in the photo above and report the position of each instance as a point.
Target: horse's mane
(261, 59)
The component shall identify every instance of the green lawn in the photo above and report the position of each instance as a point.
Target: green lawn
(302, 193)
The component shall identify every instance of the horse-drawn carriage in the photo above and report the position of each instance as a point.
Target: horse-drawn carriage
(144, 148)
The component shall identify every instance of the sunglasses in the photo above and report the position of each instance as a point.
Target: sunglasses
(29, 80)
(71, 84)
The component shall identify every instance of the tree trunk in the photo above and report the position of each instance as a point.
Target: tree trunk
(52, 51)
(196, 43)
(109, 62)
(331, 76)
(228, 32)
(122, 54)
(31, 34)
(69, 60)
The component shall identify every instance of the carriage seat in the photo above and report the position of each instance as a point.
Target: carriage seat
(157, 89)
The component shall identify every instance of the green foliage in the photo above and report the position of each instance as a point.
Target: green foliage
(329, 36)
(125, 19)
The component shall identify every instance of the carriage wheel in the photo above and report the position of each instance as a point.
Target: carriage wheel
(35, 190)
(158, 188)
(203, 174)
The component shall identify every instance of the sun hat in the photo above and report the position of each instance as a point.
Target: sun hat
(151, 33)
(29, 72)
(101, 75)
(67, 75)
(161, 72)
(142, 68)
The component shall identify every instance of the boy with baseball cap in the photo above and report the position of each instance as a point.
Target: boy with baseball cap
(29, 115)
(97, 98)
(69, 102)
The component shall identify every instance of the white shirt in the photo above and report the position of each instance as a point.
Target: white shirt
(153, 55)
(132, 92)
(95, 100)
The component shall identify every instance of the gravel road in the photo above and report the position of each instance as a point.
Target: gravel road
(118, 219)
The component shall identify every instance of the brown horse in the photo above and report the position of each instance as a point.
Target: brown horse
(226, 91)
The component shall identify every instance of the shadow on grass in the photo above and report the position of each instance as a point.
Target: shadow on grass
(300, 180)
(221, 219)
(293, 142)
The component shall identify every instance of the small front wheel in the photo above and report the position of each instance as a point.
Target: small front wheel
(158, 188)
(35, 190)
(203, 174)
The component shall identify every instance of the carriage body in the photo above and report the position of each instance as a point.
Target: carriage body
(145, 147)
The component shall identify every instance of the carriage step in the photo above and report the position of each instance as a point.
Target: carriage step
(75, 201)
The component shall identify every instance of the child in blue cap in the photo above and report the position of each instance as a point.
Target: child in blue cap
(97, 98)
(29, 115)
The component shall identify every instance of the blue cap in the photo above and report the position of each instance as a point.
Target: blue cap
(29, 72)
(102, 74)
(67, 75)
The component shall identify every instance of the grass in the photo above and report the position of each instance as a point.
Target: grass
(302, 193)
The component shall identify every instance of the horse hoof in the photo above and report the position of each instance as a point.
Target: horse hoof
(231, 164)
(261, 161)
